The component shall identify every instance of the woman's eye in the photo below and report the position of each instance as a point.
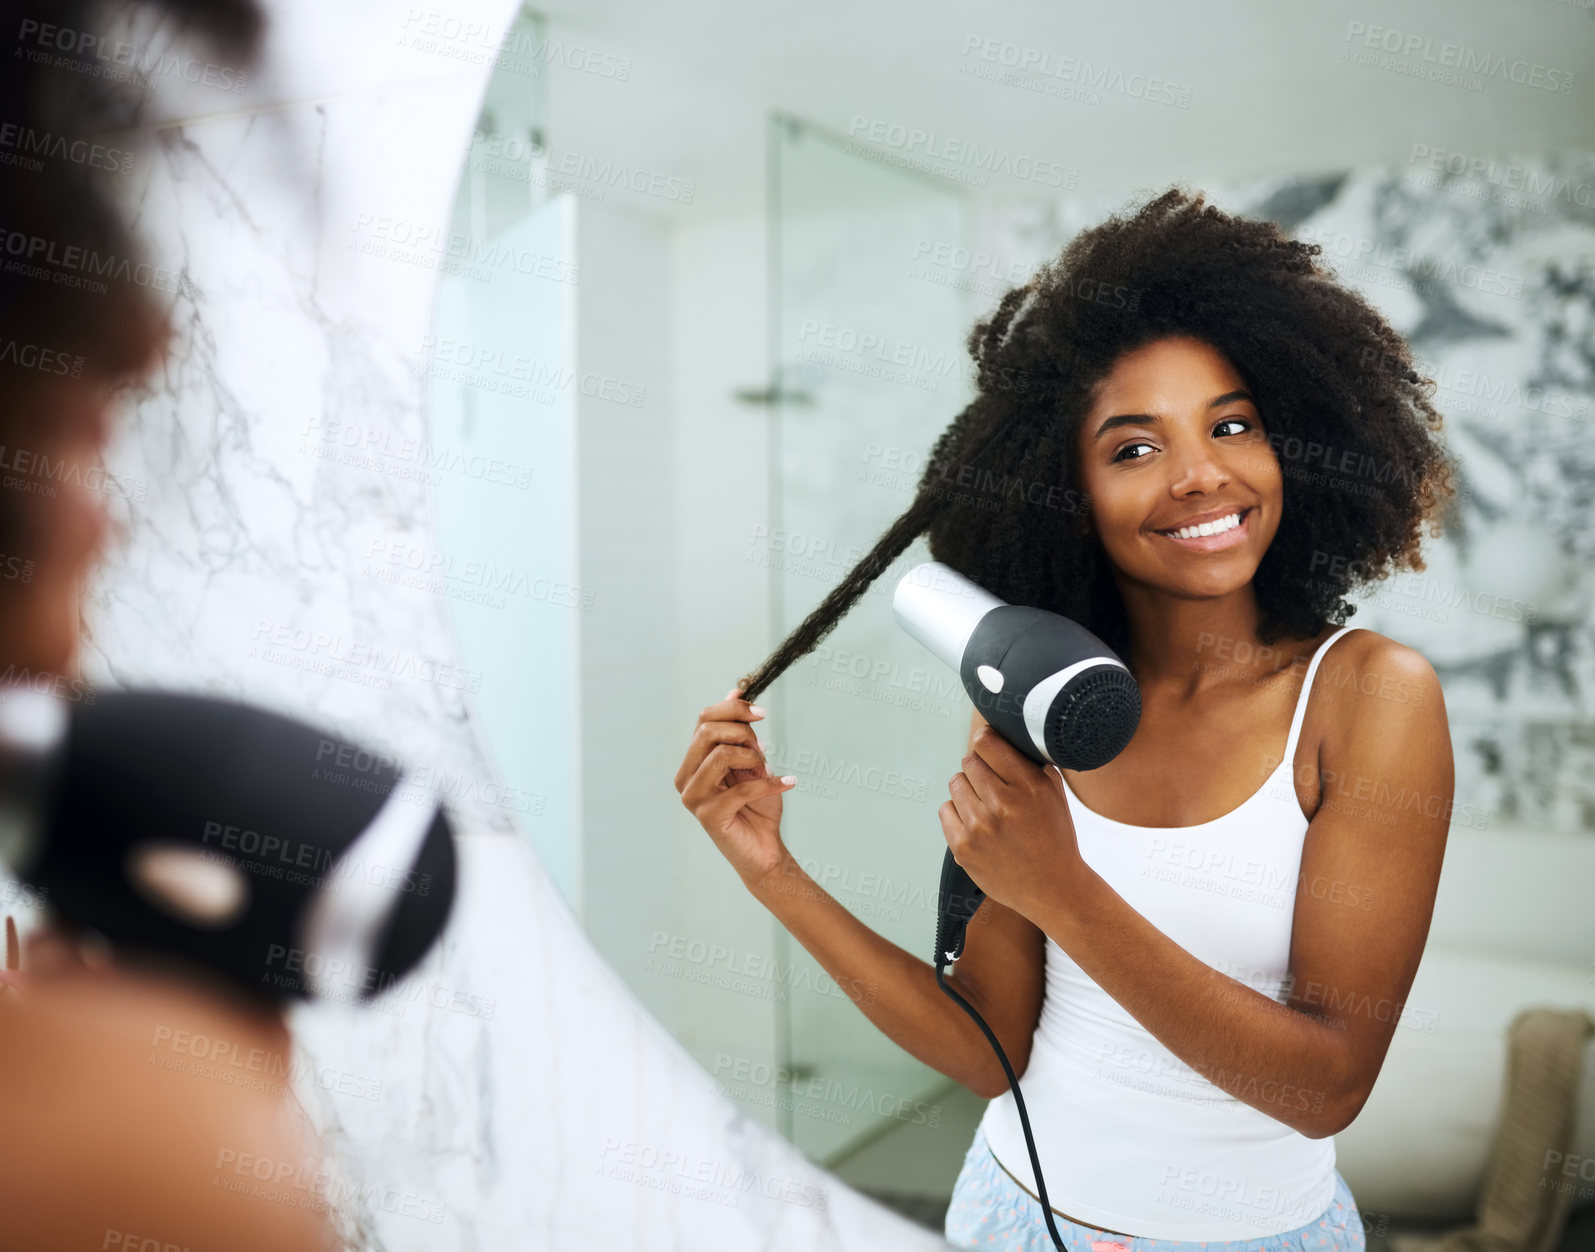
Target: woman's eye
(1123, 453)
(1242, 422)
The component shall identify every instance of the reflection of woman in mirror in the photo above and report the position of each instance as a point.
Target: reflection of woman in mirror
(1196, 956)
(117, 1126)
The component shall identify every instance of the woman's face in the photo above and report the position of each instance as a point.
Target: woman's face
(1173, 440)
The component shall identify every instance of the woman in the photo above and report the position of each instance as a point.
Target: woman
(1195, 956)
(114, 1130)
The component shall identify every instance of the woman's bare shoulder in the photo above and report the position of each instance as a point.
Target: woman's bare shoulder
(1380, 687)
(1370, 652)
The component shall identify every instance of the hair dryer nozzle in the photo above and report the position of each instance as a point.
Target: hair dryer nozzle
(1091, 720)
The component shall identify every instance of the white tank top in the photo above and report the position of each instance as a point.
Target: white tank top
(1130, 1137)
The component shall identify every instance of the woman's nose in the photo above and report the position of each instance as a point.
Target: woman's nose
(1198, 471)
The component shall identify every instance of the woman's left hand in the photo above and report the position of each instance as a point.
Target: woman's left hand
(1009, 827)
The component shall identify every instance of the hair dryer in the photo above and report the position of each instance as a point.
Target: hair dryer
(286, 861)
(1050, 688)
(1046, 684)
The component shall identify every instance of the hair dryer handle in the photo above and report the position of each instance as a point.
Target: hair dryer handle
(957, 904)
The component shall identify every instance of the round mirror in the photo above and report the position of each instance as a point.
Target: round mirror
(689, 355)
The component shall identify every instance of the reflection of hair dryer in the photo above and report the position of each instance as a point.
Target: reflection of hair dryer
(1046, 684)
(1050, 688)
(285, 860)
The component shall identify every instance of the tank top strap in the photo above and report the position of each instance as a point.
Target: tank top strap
(1301, 700)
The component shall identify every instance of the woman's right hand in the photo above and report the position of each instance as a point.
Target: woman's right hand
(725, 783)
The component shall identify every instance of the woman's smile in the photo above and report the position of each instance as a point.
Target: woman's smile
(1213, 531)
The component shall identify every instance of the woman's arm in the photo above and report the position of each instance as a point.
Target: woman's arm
(1369, 872)
(1001, 974)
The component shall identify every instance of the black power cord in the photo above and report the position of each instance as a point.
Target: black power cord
(1013, 1085)
(960, 897)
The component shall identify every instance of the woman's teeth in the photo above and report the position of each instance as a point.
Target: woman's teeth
(1216, 527)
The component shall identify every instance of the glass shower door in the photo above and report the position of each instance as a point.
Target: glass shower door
(868, 323)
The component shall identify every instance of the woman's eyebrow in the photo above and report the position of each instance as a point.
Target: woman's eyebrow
(1152, 419)
(1240, 393)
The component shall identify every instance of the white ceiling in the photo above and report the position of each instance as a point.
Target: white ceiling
(1270, 90)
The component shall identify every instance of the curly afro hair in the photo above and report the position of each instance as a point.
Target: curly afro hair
(1348, 417)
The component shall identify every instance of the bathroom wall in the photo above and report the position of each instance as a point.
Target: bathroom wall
(511, 1092)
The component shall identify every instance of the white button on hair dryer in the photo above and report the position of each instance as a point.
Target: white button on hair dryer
(1046, 684)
